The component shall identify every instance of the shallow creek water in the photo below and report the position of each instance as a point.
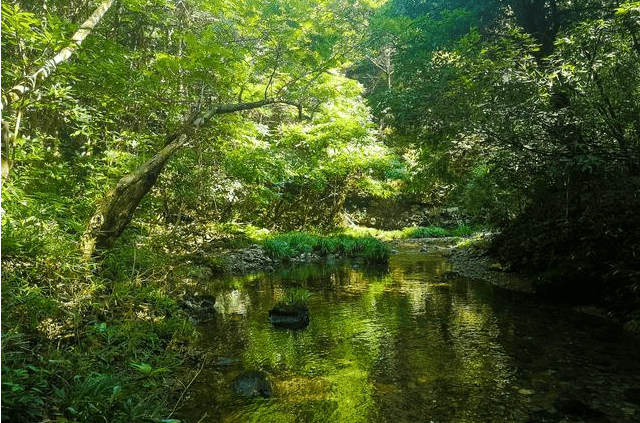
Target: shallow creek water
(410, 343)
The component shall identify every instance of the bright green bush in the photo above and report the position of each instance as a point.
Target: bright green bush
(278, 249)
(463, 230)
(374, 250)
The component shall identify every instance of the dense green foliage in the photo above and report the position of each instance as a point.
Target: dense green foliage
(522, 114)
(90, 349)
(524, 118)
(87, 342)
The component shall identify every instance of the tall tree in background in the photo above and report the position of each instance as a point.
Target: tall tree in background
(538, 106)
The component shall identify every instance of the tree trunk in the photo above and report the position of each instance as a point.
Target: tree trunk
(29, 84)
(538, 18)
(7, 147)
(119, 204)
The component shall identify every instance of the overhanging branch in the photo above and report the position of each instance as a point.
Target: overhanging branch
(117, 207)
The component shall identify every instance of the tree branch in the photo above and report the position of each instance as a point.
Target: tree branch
(30, 82)
(119, 204)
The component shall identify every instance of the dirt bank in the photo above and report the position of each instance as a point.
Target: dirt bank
(474, 263)
(469, 259)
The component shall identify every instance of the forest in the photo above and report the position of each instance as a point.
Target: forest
(145, 140)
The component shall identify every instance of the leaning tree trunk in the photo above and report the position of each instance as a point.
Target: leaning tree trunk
(7, 147)
(29, 84)
(119, 204)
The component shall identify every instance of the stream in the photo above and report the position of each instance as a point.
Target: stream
(410, 342)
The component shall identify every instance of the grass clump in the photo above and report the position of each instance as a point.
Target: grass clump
(411, 232)
(437, 231)
(293, 244)
(290, 244)
(296, 296)
(278, 249)
(372, 250)
(425, 232)
(464, 230)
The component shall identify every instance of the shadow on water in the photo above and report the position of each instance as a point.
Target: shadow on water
(410, 343)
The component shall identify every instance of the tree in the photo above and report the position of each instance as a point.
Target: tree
(16, 92)
(119, 204)
(534, 127)
(270, 71)
(29, 83)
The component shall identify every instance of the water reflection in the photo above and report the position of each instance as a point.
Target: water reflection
(404, 344)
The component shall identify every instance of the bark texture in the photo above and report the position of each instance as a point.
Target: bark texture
(119, 204)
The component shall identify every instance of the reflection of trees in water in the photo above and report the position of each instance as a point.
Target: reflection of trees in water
(394, 346)
(399, 347)
(482, 365)
(445, 360)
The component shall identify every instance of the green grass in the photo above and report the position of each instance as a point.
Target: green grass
(425, 232)
(366, 243)
(296, 296)
(293, 244)
(412, 232)
(81, 346)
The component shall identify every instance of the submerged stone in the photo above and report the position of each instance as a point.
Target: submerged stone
(252, 384)
(199, 307)
(198, 303)
(289, 317)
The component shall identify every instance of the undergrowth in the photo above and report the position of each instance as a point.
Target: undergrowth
(83, 343)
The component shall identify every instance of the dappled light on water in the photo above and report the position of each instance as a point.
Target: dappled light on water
(411, 342)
